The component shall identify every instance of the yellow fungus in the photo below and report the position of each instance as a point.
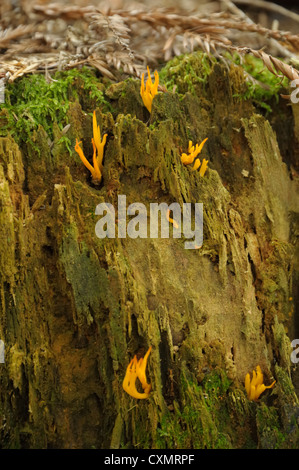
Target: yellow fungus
(84, 160)
(193, 152)
(98, 152)
(136, 369)
(203, 167)
(255, 386)
(149, 90)
(141, 367)
(98, 142)
(196, 164)
(187, 159)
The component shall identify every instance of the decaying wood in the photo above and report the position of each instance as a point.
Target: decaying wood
(75, 308)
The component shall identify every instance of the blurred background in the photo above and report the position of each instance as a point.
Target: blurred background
(261, 11)
(124, 36)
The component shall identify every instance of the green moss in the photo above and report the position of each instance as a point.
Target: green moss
(216, 385)
(277, 426)
(187, 73)
(202, 418)
(265, 89)
(32, 101)
(268, 426)
(190, 72)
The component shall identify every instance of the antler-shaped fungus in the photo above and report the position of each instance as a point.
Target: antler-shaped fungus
(98, 152)
(255, 387)
(149, 90)
(136, 369)
(191, 156)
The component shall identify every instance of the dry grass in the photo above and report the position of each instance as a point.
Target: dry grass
(54, 36)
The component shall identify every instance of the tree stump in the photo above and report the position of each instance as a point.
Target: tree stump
(75, 308)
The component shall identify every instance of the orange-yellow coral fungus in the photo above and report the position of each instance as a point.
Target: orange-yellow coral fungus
(98, 152)
(203, 167)
(255, 387)
(99, 144)
(141, 374)
(137, 369)
(191, 156)
(149, 90)
(196, 164)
